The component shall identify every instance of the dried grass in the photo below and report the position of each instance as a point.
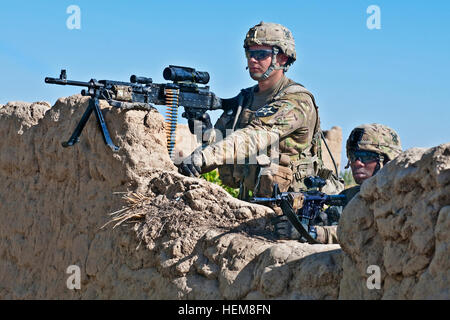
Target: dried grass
(135, 201)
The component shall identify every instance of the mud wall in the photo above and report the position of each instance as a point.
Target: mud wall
(172, 237)
(400, 222)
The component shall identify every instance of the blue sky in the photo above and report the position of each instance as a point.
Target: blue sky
(397, 75)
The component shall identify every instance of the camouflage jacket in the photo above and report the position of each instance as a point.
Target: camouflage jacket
(285, 127)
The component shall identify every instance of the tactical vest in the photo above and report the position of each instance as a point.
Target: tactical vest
(307, 162)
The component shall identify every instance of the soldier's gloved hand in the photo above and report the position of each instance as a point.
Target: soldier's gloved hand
(283, 228)
(192, 165)
(326, 235)
(200, 126)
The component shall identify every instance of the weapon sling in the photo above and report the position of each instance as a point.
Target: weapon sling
(287, 209)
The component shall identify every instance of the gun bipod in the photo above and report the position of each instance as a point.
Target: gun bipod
(94, 105)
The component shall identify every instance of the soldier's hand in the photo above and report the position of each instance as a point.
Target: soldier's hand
(326, 235)
(192, 165)
(200, 126)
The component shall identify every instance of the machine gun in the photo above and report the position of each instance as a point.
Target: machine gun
(142, 93)
(303, 209)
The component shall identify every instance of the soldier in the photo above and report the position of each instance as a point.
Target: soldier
(273, 134)
(369, 148)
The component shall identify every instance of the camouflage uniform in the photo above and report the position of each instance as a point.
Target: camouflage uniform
(289, 117)
(282, 123)
(376, 138)
(270, 137)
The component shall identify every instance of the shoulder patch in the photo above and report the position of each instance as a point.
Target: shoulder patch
(266, 111)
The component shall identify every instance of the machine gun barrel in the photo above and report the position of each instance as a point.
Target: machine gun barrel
(262, 200)
(65, 82)
(329, 199)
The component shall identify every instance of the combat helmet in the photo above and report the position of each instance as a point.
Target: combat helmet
(376, 138)
(276, 36)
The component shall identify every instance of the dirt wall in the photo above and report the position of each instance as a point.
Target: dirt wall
(400, 223)
(139, 230)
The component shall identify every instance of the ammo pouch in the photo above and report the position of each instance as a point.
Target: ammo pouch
(334, 184)
(271, 174)
(304, 168)
(301, 169)
(325, 173)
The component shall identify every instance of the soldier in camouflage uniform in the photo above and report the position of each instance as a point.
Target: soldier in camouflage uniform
(273, 135)
(369, 148)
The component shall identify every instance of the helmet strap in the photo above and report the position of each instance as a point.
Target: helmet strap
(380, 164)
(273, 65)
(377, 168)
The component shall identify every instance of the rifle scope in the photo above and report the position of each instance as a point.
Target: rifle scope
(142, 80)
(177, 73)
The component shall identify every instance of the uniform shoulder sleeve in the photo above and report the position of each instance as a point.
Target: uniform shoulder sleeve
(292, 111)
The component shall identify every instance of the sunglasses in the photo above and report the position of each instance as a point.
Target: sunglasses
(364, 156)
(258, 54)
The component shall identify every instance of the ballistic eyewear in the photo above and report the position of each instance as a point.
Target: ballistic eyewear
(364, 156)
(258, 54)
